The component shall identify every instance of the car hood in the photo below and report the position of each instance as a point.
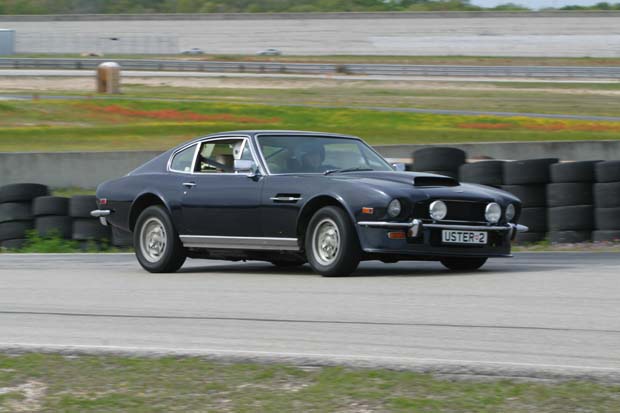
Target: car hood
(424, 185)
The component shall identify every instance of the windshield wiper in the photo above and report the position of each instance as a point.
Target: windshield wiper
(335, 171)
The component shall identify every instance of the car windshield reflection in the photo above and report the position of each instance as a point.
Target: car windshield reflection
(320, 155)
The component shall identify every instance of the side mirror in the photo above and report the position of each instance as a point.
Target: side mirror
(399, 166)
(247, 167)
(242, 165)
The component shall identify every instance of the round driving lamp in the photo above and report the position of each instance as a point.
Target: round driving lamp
(510, 212)
(394, 208)
(493, 213)
(438, 210)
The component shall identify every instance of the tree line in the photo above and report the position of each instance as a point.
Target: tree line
(253, 6)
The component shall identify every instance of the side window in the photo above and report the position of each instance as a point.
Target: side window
(182, 161)
(219, 156)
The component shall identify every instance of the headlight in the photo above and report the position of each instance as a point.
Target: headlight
(394, 208)
(510, 212)
(493, 213)
(438, 210)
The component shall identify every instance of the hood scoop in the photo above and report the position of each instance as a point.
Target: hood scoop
(434, 181)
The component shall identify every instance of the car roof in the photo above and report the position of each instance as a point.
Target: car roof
(282, 132)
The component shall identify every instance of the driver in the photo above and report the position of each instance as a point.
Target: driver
(310, 156)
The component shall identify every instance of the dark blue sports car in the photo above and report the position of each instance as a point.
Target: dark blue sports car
(295, 197)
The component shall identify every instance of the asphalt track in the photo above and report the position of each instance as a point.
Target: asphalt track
(542, 315)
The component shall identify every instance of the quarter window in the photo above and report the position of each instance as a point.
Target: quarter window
(182, 161)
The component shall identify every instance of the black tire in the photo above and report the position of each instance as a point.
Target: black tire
(80, 206)
(530, 237)
(438, 159)
(13, 244)
(484, 172)
(173, 255)
(567, 194)
(15, 211)
(607, 195)
(571, 218)
(61, 226)
(608, 171)
(569, 237)
(606, 236)
(348, 254)
(463, 263)
(530, 171)
(85, 229)
(22, 192)
(15, 229)
(534, 218)
(531, 196)
(582, 171)
(50, 205)
(607, 218)
(120, 238)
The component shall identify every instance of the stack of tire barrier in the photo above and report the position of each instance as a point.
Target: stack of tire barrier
(607, 201)
(489, 173)
(86, 229)
(438, 160)
(16, 217)
(569, 197)
(52, 216)
(528, 181)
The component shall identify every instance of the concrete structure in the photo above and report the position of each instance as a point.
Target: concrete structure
(595, 34)
(7, 42)
(88, 169)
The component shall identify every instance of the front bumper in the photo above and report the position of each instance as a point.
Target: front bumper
(423, 239)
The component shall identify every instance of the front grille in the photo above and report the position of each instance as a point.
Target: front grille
(457, 210)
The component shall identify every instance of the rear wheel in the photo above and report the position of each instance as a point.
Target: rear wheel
(332, 246)
(463, 263)
(157, 245)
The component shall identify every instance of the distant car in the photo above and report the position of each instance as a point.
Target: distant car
(193, 51)
(296, 197)
(269, 52)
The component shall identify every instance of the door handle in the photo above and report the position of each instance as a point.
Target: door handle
(189, 184)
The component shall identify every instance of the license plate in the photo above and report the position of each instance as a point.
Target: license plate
(464, 237)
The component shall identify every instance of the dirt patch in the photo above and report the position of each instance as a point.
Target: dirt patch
(33, 393)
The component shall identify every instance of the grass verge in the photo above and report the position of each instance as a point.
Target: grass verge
(66, 125)
(53, 243)
(36, 382)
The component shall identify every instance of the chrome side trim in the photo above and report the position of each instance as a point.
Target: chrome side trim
(285, 198)
(386, 224)
(239, 243)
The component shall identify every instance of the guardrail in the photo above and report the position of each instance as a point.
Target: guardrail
(568, 72)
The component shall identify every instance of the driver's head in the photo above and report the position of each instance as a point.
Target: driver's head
(311, 155)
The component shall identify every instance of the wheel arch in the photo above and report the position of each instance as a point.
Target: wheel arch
(313, 205)
(142, 202)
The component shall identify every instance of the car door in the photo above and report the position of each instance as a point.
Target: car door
(220, 202)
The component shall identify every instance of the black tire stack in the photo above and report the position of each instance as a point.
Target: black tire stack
(52, 216)
(438, 160)
(607, 201)
(86, 229)
(16, 217)
(528, 181)
(570, 201)
(489, 173)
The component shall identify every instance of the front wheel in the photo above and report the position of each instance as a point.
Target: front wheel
(463, 263)
(157, 245)
(332, 246)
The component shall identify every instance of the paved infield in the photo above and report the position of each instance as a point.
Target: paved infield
(536, 315)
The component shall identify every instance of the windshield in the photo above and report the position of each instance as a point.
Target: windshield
(307, 154)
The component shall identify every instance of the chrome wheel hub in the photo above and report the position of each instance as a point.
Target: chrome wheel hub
(326, 242)
(153, 240)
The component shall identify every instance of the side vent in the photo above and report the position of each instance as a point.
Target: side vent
(434, 181)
